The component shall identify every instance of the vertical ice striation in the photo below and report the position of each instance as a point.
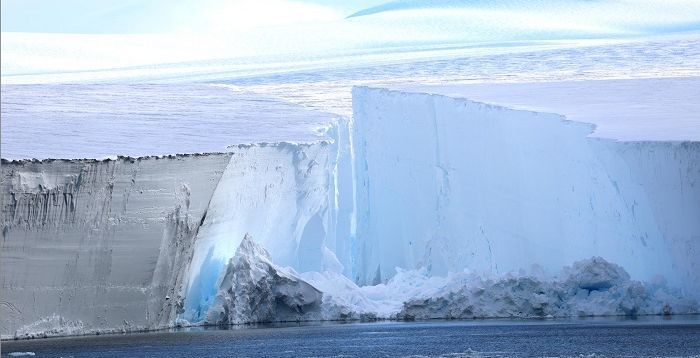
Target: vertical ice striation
(448, 184)
(341, 240)
(112, 236)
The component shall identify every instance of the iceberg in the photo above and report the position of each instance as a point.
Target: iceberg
(254, 290)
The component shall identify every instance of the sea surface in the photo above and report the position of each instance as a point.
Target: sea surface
(602, 337)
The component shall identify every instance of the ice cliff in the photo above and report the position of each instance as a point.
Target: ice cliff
(112, 236)
(132, 238)
(447, 183)
(422, 206)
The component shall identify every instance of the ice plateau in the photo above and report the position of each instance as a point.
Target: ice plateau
(420, 206)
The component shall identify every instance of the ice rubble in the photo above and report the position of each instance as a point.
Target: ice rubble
(254, 290)
(592, 287)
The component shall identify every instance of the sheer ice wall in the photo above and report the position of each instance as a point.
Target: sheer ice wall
(144, 239)
(92, 245)
(137, 243)
(449, 184)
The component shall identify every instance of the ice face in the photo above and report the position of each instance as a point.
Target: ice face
(448, 184)
(278, 193)
(114, 236)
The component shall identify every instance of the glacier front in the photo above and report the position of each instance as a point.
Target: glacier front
(448, 183)
(422, 205)
(143, 241)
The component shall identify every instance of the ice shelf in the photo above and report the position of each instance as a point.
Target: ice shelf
(419, 196)
(76, 121)
(650, 109)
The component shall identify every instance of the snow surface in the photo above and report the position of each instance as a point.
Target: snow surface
(215, 37)
(107, 120)
(660, 109)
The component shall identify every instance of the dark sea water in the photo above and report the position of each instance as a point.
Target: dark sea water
(491, 338)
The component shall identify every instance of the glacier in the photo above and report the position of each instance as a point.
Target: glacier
(422, 205)
(115, 235)
(496, 189)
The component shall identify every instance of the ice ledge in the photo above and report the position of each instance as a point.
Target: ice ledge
(644, 109)
(688, 131)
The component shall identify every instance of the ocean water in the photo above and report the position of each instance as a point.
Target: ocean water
(649, 337)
